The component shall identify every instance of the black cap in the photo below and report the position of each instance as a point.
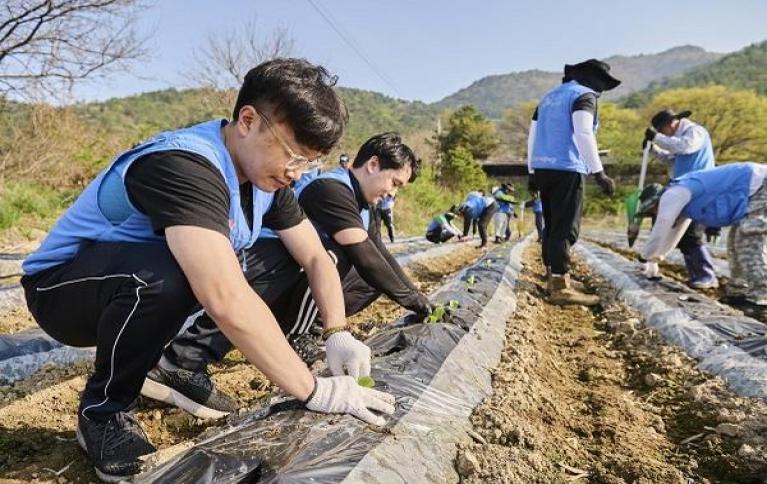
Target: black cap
(592, 73)
(662, 118)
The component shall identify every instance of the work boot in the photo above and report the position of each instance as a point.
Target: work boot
(189, 390)
(114, 446)
(563, 294)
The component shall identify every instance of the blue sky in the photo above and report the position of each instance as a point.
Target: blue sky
(430, 49)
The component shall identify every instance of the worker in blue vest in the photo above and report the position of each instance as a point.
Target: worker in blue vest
(340, 204)
(562, 151)
(686, 147)
(477, 209)
(343, 161)
(165, 227)
(385, 212)
(504, 197)
(731, 195)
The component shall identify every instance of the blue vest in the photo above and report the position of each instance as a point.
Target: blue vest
(475, 205)
(537, 206)
(341, 174)
(103, 212)
(703, 159)
(437, 223)
(504, 206)
(554, 148)
(719, 195)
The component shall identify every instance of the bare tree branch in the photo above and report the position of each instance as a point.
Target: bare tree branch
(225, 59)
(49, 45)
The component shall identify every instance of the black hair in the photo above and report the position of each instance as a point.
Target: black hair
(299, 93)
(392, 153)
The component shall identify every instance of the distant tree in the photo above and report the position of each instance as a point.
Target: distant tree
(229, 54)
(621, 130)
(469, 129)
(736, 119)
(459, 170)
(514, 129)
(46, 46)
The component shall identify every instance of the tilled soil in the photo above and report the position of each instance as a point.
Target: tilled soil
(593, 396)
(38, 415)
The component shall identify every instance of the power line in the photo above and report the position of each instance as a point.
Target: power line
(352, 45)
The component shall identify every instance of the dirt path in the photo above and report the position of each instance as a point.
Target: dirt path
(37, 416)
(593, 396)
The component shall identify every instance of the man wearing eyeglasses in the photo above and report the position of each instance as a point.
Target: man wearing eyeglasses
(340, 203)
(166, 227)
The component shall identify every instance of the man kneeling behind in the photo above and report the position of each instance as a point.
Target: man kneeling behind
(340, 203)
(160, 231)
(730, 195)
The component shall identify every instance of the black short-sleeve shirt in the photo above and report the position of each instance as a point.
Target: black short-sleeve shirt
(181, 188)
(330, 204)
(585, 102)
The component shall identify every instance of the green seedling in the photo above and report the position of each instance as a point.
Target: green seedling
(366, 381)
(488, 262)
(471, 280)
(437, 315)
(453, 305)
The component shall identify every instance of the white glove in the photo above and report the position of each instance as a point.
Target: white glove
(651, 270)
(344, 350)
(342, 394)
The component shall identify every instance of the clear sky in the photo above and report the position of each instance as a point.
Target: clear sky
(429, 49)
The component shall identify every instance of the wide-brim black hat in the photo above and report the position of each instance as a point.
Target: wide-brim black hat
(592, 73)
(662, 118)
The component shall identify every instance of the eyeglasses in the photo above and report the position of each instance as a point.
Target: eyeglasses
(296, 162)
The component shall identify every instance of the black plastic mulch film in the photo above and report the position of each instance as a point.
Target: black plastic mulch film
(25, 352)
(285, 443)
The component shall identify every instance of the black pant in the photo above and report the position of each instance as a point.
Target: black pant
(127, 299)
(439, 235)
(279, 281)
(562, 197)
(539, 224)
(358, 294)
(692, 238)
(482, 222)
(387, 217)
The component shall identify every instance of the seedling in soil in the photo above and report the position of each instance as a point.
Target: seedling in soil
(437, 315)
(366, 381)
(471, 280)
(453, 305)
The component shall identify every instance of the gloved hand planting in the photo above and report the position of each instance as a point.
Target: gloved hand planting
(342, 394)
(342, 350)
(651, 270)
(422, 308)
(605, 183)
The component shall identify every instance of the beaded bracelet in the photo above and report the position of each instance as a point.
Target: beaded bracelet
(327, 333)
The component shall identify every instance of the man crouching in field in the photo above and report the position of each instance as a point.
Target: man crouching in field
(164, 227)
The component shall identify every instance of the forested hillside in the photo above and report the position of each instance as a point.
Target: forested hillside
(495, 94)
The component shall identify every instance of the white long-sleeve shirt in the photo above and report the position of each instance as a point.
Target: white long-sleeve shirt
(670, 225)
(583, 137)
(689, 137)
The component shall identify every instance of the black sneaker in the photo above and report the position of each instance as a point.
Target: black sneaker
(192, 391)
(114, 446)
